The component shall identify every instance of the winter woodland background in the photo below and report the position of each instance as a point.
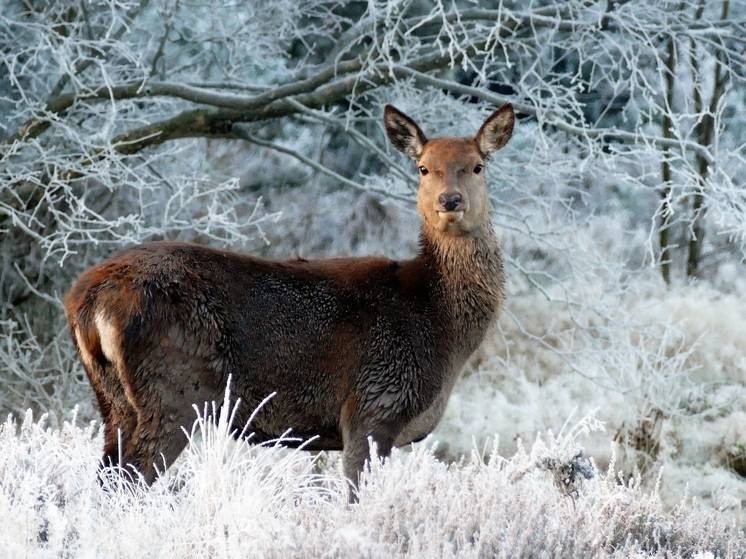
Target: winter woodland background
(620, 202)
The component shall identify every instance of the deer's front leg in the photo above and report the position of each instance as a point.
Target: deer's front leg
(355, 433)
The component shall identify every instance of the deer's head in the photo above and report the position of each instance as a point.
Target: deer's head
(452, 196)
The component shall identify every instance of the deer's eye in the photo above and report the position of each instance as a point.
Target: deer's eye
(478, 169)
(423, 170)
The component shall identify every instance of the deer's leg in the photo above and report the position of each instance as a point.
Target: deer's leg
(165, 386)
(155, 445)
(118, 430)
(355, 434)
(159, 439)
(119, 425)
(119, 417)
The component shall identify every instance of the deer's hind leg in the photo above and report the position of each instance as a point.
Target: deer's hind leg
(159, 437)
(118, 414)
(166, 385)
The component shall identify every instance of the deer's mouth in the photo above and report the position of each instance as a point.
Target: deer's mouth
(450, 216)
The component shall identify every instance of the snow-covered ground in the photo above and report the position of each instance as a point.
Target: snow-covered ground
(224, 499)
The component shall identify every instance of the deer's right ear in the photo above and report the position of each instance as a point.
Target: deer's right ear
(403, 132)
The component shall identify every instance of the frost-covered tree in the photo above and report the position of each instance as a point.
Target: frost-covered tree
(242, 124)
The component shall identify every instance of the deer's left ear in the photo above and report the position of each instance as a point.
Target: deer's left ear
(496, 130)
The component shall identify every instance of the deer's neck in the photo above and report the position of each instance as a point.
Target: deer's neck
(468, 281)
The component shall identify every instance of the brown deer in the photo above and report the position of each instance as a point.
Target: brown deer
(352, 347)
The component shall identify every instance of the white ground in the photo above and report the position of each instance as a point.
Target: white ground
(683, 383)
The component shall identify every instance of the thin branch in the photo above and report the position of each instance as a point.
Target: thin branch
(359, 138)
(242, 133)
(48, 298)
(78, 69)
(552, 120)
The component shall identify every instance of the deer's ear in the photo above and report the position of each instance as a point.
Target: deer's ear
(403, 132)
(496, 130)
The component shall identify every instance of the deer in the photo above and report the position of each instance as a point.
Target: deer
(353, 349)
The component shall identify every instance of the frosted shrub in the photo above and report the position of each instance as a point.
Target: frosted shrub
(665, 376)
(228, 499)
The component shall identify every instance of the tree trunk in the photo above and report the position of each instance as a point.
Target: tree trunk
(664, 211)
(705, 133)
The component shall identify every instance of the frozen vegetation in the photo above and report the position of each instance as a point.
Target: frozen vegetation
(619, 203)
(232, 500)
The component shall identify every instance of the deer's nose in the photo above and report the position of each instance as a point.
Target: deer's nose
(450, 202)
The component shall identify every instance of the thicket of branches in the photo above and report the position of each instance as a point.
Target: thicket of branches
(123, 121)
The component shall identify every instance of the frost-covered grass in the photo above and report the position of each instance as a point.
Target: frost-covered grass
(668, 379)
(228, 499)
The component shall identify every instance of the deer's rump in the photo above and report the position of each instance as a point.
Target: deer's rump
(171, 322)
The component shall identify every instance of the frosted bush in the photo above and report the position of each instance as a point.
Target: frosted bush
(229, 499)
(666, 376)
